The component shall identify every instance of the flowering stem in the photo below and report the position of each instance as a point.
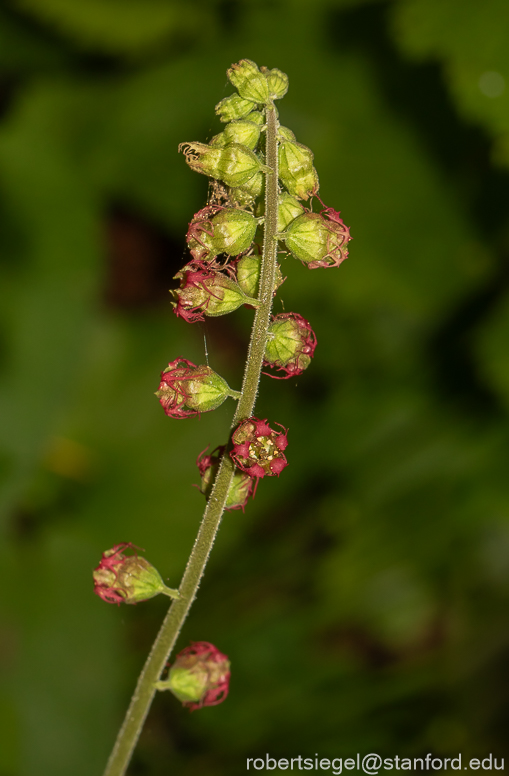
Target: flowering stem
(172, 624)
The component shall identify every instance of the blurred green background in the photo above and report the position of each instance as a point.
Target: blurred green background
(363, 598)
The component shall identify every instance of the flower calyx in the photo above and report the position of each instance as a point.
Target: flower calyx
(200, 676)
(318, 239)
(242, 485)
(186, 389)
(206, 291)
(249, 81)
(290, 346)
(128, 579)
(234, 164)
(258, 450)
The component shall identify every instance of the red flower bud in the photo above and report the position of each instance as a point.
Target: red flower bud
(291, 345)
(200, 676)
(242, 484)
(186, 389)
(127, 579)
(258, 450)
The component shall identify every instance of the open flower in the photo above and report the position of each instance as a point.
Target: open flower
(291, 345)
(200, 676)
(186, 389)
(127, 579)
(258, 450)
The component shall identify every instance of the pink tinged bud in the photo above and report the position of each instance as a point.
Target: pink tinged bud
(128, 579)
(205, 291)
(318, 240)
(250, 83)
(186, 389)
(234, 107)
(277, 82)
(234, 164)
(200, 676)
(289, 208)
(241, 487)
(258, 450)
(245, 132)
(216, 230)
(296, 170)
(291, 345)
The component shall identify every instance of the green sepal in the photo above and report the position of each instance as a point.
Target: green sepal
(250, 83)
(234, 107)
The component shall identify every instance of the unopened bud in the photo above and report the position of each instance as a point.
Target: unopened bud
(205, 291)
(250, 83)
(245, 132)
(216, 230)
(241, 486)
(290, 346)
(186, 389)
(277, 82)
(248, 275)
(258, 450)
(318, 240)
(128, 579)
(288, 209)
(234, 164)
(200, 676)
(296, 170)
(234, 107)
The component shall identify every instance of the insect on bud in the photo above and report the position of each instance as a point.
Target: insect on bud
(186, 389)
(200, 676)
(258, 450)
(291, 345)
(128, 579)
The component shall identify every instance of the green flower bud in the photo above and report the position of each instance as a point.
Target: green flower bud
(277, 82)
(128, 579)
(241, 485)
(290, 346)
(234, 164)
(250, 83)
(248, 275)
(199, 677)
(245, 132)
(296, 170)
(205, 291)
(288, 209)
(230, 231)
(316, 240)
(286, 134)
(233, 107)
(257, 118)
(186, 389)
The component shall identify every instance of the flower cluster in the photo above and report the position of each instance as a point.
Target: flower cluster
(200, 676)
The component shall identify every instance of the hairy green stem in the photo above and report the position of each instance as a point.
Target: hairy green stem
(172, 624)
